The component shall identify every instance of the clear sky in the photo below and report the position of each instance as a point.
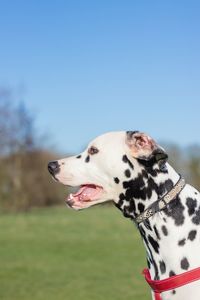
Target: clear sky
(88, 67)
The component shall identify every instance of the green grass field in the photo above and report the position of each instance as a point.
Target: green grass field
(58, 253)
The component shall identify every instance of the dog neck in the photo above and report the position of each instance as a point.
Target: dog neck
(161, 233)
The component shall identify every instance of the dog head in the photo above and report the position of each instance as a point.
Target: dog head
(102, 170)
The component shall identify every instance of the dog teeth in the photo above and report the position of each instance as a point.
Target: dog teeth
(81, 197)
(71, 196)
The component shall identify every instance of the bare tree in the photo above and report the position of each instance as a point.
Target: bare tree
(24, 181)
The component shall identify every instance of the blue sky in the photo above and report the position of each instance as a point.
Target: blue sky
(88, 67)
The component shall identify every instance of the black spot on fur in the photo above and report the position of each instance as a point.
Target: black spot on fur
(196, 218)
(122, 196)
(87, 159)
(173, 292)
(147, 224)
(130, 133)
(182, 242)
(156, 232)
(184, 264)
(140, 207)
(143, 234)
(116, 180)
(149, 166)
(162, 267)
(135, 188)
(125, 211)
(148, 263)
(139, 188)
(126, 160)
(79, 156)
(165, 187)
(156, 276)
(192, 235)
(191, 204)
(172, 273)
(164, 230)
(175, 211)
(130, 164)
(121, 201)
(129, 210)
(127, 173)
(153, 243)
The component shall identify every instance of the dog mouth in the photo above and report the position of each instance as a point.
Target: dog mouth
(87, 195)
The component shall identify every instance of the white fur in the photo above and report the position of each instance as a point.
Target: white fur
(107, 164)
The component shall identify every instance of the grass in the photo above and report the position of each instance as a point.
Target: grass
(57, 253)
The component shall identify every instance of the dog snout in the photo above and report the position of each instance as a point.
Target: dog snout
(53, 167)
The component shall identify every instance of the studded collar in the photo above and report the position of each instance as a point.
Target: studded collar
(161, 203)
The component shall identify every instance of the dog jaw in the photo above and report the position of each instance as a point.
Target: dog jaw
(88, 195)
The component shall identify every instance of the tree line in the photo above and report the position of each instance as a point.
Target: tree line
(24, 180)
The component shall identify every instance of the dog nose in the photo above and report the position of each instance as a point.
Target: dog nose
(53, 167)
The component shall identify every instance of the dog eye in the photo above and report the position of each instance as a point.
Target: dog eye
(93, 150)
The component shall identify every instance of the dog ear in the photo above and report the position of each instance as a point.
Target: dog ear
(143, 147)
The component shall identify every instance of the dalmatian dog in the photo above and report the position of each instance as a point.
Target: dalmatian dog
(131, 169)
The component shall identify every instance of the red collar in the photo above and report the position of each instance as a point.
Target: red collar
(159, 286)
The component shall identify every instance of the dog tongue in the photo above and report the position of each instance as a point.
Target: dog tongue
(87, 192)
